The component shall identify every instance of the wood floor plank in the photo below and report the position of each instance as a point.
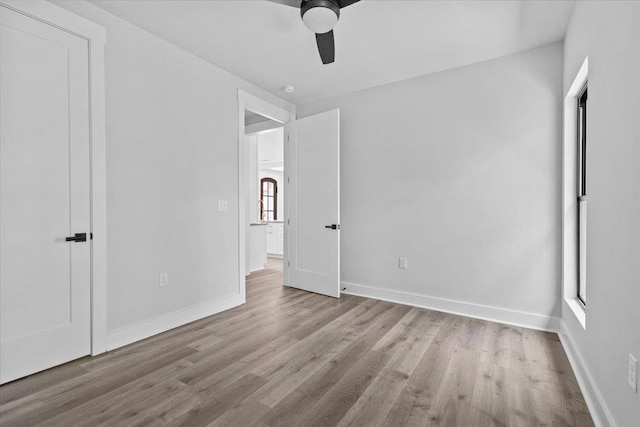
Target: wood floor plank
(374, 404)
(126, 402)
(289, 370)
(247, 364)
(246, 414)
(165, 410)
(326, 318)
(118, 360)
(414, 340)
(333, 405)
(452, 404)
(489, 401)
(68, 398)
(212, 407)
(526, 406)
(412, 405)
(319, 347)
(295, 405)
(289, 357)
(233, 349)
(18, 389)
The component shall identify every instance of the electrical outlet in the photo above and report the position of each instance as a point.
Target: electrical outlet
(402, 263)
(223, 205)
(163, 279)
(633, 372)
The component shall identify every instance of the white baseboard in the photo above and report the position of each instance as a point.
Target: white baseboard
(484, 312)
(600, 413)
(139, 331)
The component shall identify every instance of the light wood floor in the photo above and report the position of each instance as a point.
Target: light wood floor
(292, 358)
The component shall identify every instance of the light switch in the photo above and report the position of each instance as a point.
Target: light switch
(223, 205)
(163, 279)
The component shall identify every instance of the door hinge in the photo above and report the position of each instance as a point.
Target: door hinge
(288, 263)
(288, 180)
(288, 222)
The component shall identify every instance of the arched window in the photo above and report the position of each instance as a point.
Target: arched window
(269, 199)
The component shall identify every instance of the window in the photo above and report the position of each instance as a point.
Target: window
(582, 194)
(268, 199)
(574, 199)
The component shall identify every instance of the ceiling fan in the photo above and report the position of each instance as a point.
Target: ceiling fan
(320, 16)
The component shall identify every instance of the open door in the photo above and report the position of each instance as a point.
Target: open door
(312, 222)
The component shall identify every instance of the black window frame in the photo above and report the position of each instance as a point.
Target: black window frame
(264, 211)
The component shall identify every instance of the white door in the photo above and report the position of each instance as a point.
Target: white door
(313, 203)
(44, 188)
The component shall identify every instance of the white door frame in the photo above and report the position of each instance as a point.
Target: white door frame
(246, 101)
(96, 37)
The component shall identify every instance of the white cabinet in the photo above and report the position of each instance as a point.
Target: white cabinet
(280, 239)
(257, 247)
(275, 238)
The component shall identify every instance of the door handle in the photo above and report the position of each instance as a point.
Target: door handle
(78, 237)
(333, 226)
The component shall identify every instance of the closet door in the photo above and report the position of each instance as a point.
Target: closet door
(45, 198)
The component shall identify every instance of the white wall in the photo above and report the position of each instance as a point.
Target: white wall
(609, 34)
(271, 147)
(459, 172)
(171, 154)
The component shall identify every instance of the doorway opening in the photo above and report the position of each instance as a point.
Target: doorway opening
(262, 205)
(311, 200)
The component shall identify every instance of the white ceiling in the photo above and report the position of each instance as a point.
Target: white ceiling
(377, 41)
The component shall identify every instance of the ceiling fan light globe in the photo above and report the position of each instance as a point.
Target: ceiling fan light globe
(320, 20)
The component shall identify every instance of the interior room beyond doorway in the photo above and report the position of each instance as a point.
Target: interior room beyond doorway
(266, 190)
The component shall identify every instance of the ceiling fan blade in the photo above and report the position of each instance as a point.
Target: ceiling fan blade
(345, 3)
(292, 3)
(326, 47)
